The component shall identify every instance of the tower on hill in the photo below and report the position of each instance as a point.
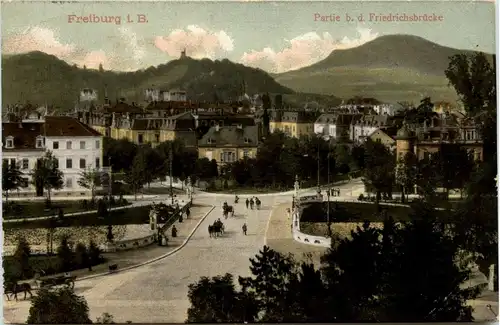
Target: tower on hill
(183, 54)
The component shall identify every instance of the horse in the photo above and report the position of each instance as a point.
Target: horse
(216, 230)
(14, 288)
(228, 210)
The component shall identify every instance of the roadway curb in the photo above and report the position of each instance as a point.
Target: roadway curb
(156, 258)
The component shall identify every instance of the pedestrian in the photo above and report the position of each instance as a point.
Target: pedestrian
(244, 228)
(247, 202)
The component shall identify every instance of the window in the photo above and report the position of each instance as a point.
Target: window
(82, 163)
(69, 163)
(5, 162)
(39, 142)
(210, 141)
(12, 162)
(82, 144)
(140, 138)
(246, 154)
(68, 145)
(9, 142)
(26, 164)
(97, 163)
(55, 145)
(97, 144)
(157, 137)
(69, 182)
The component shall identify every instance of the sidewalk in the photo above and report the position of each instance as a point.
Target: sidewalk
(136, 257)
(279, 237)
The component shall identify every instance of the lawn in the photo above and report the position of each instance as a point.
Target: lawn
(358, 212)
(49, 264)
(132, 215)
(162, 190)
(30, 209)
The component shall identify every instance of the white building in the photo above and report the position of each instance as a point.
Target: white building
(366, 125)
(387, 109)
(76, 146)
(175, 95)
(334, 126)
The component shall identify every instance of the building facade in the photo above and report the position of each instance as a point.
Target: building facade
(76, 146)
(227, 144)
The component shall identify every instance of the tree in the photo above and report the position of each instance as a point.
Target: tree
(11, 178)
(272, 273)
(355, 280)
(94, 253)
(105, 318)
(423, 253)
(137, 176)
(22, 258)
(81, 256)
(65, 254)
(47, 174)
(101, 69)
(406, 173)
(379, 174)
(90, 179)
(61, 306)
(473, 78)
(215, 300)
(120, 153)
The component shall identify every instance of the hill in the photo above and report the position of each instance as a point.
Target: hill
(390, 68)
(40, 78)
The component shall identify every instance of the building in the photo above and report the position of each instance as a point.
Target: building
(362, 127)
(293, 123)
(380, 136)
(388, 109)
(175, 95)
(335, 125)
(427, 139)
(227, 144)
(76, 146)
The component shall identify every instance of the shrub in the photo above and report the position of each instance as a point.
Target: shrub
(361, 197)
(105, 319)
(94, 253)
(22, 257)
(61, 306)
(65, 255)
(81, 256)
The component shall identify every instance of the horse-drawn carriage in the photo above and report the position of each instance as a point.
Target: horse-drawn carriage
(65, 279)
(13, 288)
(227, 210)
(216, 229)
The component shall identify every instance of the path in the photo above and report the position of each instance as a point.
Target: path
(158, 292)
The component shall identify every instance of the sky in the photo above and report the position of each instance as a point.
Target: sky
(273, 36)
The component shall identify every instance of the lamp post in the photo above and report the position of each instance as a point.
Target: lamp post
(319, 188)
(328, 192)
(170, 157)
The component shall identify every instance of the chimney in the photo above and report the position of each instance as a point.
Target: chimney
(217, 128)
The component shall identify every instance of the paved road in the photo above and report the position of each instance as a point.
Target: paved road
(158, 292)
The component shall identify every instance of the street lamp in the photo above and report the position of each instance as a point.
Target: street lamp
(328, 191)
(170, 156)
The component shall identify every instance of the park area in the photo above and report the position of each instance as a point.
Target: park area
(347, 216)
(39, 208)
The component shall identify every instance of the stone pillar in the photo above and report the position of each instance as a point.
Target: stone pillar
(152, 219)
(296, 186)
(491, 278)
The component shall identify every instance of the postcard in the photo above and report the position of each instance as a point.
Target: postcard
(162, 160)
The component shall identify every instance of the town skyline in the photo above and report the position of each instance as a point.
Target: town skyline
(245, 33)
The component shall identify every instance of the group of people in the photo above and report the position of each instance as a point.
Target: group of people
(253, 201)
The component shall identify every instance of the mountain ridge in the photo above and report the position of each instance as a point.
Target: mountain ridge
(41, 78)
(389, 68)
